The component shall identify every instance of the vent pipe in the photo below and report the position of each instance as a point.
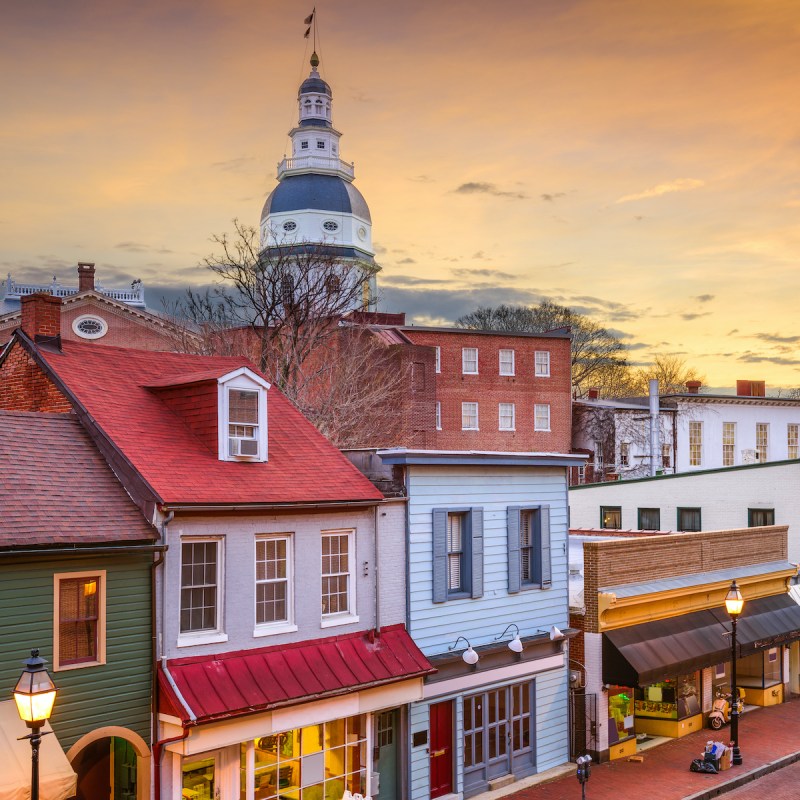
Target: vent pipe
(655, 444)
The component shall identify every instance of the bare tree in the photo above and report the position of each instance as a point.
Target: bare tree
(671, 371)
(282, 309)
(598, 356)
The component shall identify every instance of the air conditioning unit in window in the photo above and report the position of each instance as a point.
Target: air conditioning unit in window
(749, 456)
(239, 446)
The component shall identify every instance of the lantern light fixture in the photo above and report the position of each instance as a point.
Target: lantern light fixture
(515, 645)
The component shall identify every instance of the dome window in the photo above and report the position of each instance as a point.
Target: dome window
(304, 145)
(289, 226)
(320, 144)
(330, 225)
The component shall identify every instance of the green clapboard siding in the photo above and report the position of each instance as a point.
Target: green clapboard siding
(114, 693)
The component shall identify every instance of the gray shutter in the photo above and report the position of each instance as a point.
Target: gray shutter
(544, 549)
(439, 555)
(513, 549)
(476, 543)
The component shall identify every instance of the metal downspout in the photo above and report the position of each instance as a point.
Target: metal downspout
(377, 576)
(157, 636)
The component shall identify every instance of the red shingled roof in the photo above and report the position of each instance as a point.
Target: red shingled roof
(110, 383)
(56, 488)
(232, 684)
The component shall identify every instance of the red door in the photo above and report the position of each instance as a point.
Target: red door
(441, 748)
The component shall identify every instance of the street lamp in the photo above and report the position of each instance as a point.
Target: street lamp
(734, 603)
(35, 694)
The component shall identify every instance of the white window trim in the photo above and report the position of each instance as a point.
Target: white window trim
(101, 618)
(535, 415)
(438, 357)
(536, 373)
(477, 417)
(191, 638)
(500, 362)
(94, 318)
(246, 380)
(341, 617)
(463, 370)
(283, 626)
(513, 417)
(438, 415)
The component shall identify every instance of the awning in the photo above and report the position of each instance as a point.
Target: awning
(249, 681)
(56, 778)
(653, 651)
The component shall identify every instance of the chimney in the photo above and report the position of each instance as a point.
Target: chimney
(693, 387)
(594, 394)
(85, 276)
(751, 388)
(41, 317)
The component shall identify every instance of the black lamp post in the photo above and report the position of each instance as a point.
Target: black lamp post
(35, 694)
(734, 603)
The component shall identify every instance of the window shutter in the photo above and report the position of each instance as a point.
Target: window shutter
(439, 555)
(544, 542)
(513, 549)
(476, 543)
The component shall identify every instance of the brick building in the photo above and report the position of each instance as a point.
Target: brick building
(93, 313)
(654, 647)
(482, 390)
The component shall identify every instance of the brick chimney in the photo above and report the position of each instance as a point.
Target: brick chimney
(594, 394)
(693, 387)
(85, 276)
(41, 316)
(751, 388)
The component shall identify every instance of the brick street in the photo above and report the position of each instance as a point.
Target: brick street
(766, 734)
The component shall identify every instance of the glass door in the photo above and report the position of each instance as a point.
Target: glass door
(199, 778)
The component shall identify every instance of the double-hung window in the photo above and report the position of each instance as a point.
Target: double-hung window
(273, 581)
(792, 440)
(695, 443)
(457, 553)
(507, 417)
(624, 454)
(529, 548)
(438, 415)
(469, 416)
(79, 634)
(200, 586)
(438, 351)
(338, 560)
(728, 444)
(762, 441)
(506, 362)
(541, 364)
(541, 417)
(666, 456)
(469, 360)
(243, 423)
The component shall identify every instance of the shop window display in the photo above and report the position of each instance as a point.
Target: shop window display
(670, 698)
(620, 713)
(198, 780)
(761, 670)
(315, 763)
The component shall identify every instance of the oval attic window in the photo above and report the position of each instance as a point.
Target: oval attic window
(330, 225)
(90, 327)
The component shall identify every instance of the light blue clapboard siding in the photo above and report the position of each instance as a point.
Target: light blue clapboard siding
(435, 626)
(552, 721)
(419, 779)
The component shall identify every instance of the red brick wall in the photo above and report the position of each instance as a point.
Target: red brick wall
(488, 388)
(197, 404)
(577, 650)
(24, 387)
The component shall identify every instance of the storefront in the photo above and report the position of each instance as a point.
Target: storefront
(302, 723)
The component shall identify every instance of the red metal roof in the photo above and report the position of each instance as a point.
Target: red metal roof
(111, 384)
(248, 681)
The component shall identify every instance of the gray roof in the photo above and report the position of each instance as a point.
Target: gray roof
(316, 85)
(318, 192)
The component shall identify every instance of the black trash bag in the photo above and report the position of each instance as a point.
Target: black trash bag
(699, 765)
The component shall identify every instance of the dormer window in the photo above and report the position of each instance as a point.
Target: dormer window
(242, 423)
(242, 416)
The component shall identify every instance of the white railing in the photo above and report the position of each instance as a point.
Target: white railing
(131, 297)
(322, 163)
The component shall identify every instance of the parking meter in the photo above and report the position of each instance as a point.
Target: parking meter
(584, 771)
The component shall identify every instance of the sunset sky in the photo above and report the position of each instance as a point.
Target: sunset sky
(637, 160)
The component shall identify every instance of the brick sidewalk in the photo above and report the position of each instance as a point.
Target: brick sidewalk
(765, 735)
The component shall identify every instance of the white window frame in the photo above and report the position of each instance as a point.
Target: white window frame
(246, 380)
(696, 446)
(536, 409)
(762, 426)
(206, 636)
(100, 574)
(513, 425)
(541, 370)
(476, 427)
(438, 352)
(624, 454)
(349, 616)
(280, 626)
(438, 415)
(509, 370)
(728, 444)
(792, 440)
(464, 370)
